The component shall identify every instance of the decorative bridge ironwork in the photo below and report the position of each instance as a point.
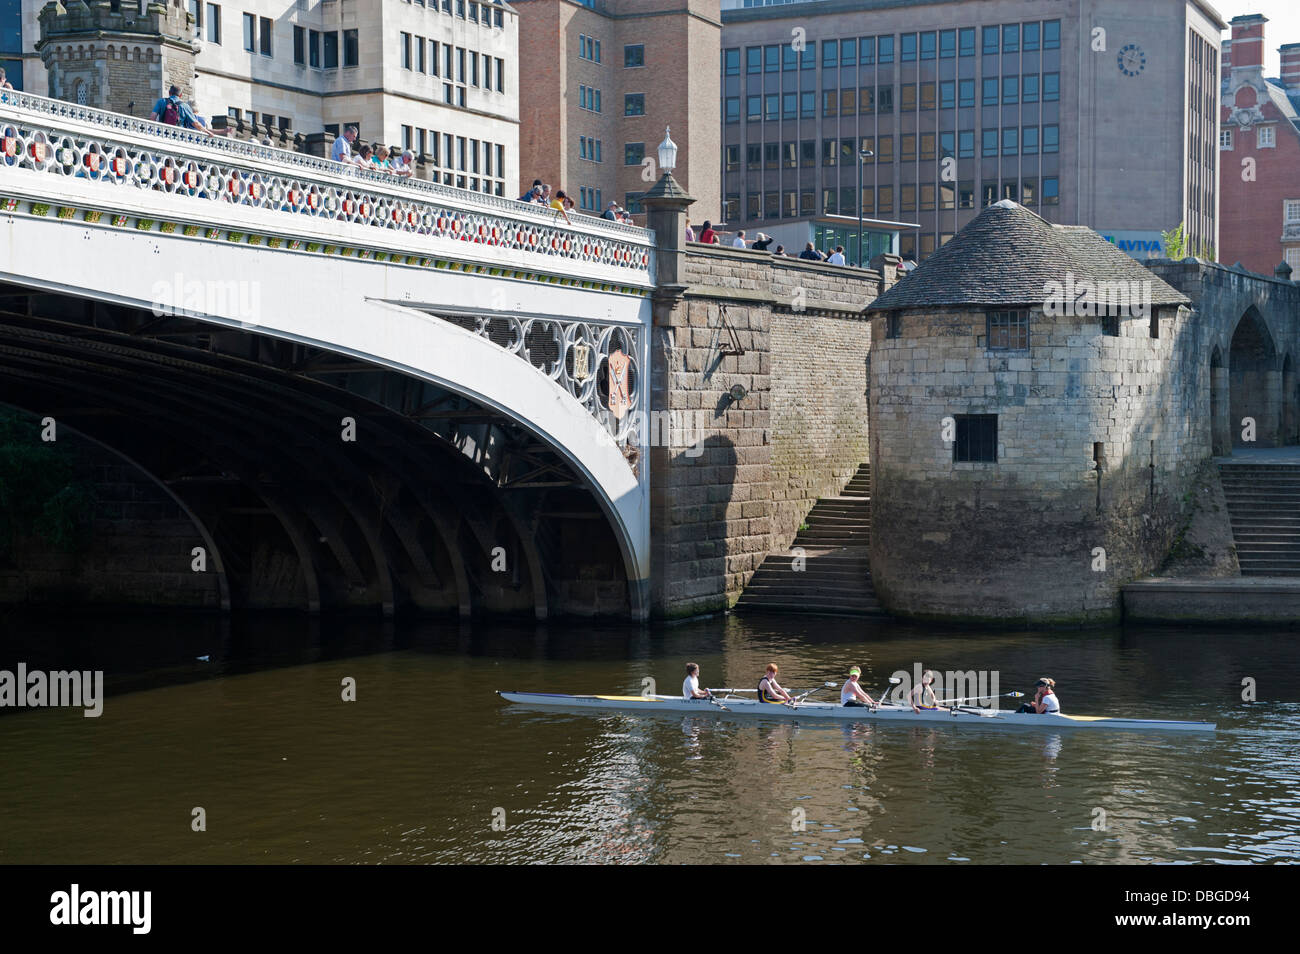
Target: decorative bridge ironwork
(573, 353)
(425, 220)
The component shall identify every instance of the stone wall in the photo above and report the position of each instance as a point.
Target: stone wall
(138, 552)
(1019, 538)
(739, 476)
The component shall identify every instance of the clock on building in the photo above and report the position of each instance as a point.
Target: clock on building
(1131, 60)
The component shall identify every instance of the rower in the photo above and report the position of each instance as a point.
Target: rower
(851, 694)
(1045, 701)
(922, 696)
(691, 685)
(769, 691)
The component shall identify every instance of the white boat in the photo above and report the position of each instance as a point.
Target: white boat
(828, 711)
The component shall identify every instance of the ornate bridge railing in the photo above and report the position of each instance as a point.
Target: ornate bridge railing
(95, 158)
(576, 355)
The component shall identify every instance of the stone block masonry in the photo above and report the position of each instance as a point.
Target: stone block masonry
(798, 433)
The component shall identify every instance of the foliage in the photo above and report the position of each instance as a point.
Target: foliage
(39, 493)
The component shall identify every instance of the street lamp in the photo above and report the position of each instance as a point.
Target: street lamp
(863, 155)
(667, 153)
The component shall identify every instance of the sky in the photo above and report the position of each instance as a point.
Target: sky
(1283, 24)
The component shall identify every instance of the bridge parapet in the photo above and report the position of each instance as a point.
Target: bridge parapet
(87, 163)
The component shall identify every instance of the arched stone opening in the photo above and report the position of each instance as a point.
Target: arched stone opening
(1255, 382)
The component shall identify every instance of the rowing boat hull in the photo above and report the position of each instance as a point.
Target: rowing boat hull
(826, 711)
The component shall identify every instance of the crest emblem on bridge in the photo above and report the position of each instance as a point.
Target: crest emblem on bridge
(620, 399)
(581, 362)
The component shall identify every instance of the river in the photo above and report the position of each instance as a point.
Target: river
(429, 765)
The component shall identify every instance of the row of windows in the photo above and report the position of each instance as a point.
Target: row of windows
(868, 101)
(486, 13)
(268, 120)
(310, 47)
(589, 49)
(881, 200)
(870, 50)
(451, 63)
(589, 200)
(589, 149)
(589, 98)
(1265, 137)
(477, 165)
(791, 154)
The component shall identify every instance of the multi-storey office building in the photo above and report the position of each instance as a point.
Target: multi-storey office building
(603, 78)
(436, 76)
(1095, 112)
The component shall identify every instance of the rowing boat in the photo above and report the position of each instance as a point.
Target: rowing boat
(827, 711)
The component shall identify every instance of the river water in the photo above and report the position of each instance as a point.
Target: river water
(429, 765)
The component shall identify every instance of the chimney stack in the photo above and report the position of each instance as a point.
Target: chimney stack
(1290, 54)
(1248, 42)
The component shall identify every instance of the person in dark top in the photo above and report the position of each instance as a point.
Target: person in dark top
(762, 242)
(810, 253)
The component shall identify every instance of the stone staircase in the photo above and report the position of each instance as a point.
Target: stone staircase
(836, 579)
(1264, 507)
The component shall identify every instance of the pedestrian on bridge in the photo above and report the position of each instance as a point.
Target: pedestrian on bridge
(171, 110)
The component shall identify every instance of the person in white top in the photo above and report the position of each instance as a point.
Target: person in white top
(1045, 701)
(691, 685)
(837, 257)
(851, 694)
(922, 696)
(739, 240)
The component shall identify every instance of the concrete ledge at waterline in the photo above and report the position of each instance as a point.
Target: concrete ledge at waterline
(1270, 600)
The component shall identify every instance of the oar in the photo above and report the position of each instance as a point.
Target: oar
(801, 698)
(1005, 695)
(880, 699)
(733, 690)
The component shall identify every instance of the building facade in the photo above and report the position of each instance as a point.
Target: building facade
(437, 76)
(1094, 112)
(1259, 148)
(604, 79)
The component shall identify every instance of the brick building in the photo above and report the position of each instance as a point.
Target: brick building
(1259, 149)
(602, 79)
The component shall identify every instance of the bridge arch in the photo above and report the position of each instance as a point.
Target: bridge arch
(1255, 379)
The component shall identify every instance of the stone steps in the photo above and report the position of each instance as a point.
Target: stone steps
(836, 574)
(1264, 511)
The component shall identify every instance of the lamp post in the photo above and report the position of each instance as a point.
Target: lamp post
(667, 153)
(863, 155)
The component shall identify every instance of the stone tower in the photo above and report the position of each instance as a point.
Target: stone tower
(120, 55)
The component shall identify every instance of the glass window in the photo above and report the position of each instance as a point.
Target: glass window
(1010, 90)
(753, 156)
(789, 105)
(1029, 37)
(907, 48)
(633, 153)
(733, 109)
(990, 144)
(1011, 38)
(1029, 192)
(634, 104)
(214, 23)
(731, 211)
(866, 100)
(991, 43)
(789, 58)
(848, 153)
(947, 94)
(885, 52)
(927, 46)
(947, 145)
(830, 151)
(848, 52)
(966, 92)
(351, 51)
(634, 56)
(753, 59)
(967, 41)
(1051, 139)
(789, 155)
(947, 44)
(808, 58)
(830, 53)
(927, 198)
(332, 50)
(1051, 87)
(867, 50)
(772, 155)
(1051, 41)
(848, 101)
(1051, 191)
(264, 35)
(771, 59)
(250, 25)
(977, 434)
(808, 153)
(990, 91)
(753, 108)
(885, 200)
(830, 102)
(907, 97)
(907, 147)
(1010, 141)
(927, 145)
(771, 106)
(966, 194)
(300, 45)
(885, 99)
(907, 198)
(1029, 141)
(1029, 88)
(731, 62)
(886, 151)
(927, 95)
(966, 144)
(733, 158)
